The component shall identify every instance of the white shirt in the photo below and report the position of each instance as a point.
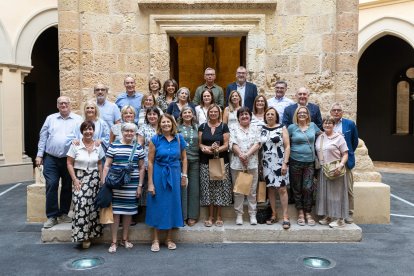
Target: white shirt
(242, 91)
(280, 105)
(338, 126)
(83, 159)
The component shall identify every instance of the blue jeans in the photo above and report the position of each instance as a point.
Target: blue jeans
(54, 169)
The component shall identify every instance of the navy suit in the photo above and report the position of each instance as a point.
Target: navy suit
(315, 114)
(350, 132)
(249, 95)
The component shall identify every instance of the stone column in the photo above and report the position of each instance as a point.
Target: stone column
(15, 165)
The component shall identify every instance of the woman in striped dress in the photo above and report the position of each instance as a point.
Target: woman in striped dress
(125, 199)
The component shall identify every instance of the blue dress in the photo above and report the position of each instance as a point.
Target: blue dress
(164, 209)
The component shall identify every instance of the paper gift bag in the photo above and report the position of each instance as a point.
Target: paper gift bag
(261, 192)
(216, 169)
(106, 216)
(243, 183)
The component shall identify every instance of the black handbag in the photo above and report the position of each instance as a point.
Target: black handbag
(116, 178)
(263, 214)
(104, 197)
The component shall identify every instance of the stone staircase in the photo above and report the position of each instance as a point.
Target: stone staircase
(229, 233)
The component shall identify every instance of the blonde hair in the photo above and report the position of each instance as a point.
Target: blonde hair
(91, 103)
(231, 106)
(125, 109)
(295, 116)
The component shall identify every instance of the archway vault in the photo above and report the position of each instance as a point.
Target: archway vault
(382, 27)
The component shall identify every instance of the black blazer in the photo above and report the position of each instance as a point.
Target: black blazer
(249, 96)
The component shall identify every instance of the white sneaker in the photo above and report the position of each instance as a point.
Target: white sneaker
(239, 219)
(349, 219)
(253, 220)
(339, 223)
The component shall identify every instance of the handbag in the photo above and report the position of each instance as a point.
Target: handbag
(106, 216)
(216, 169)
(116, 178)
(263, 214)
(261, 192)
(330, 168)
(243, 183)
(104, 197)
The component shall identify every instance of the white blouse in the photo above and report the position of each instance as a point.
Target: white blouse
(245, 139)
(83, 159)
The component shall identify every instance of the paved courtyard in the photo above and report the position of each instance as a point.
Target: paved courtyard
(385, 249)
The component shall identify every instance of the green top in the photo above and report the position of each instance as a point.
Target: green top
(217, 93)
(190, 134)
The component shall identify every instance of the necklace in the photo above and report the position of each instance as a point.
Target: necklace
(188, 135)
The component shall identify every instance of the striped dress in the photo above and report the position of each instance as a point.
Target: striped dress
(124, 200)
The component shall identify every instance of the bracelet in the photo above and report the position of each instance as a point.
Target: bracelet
(184, 175)
(140, 186)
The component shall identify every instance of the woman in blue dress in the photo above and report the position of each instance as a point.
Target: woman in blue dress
(167, 170)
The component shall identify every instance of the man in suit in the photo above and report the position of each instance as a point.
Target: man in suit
(247, 90)
(350, 133)
(302, 96)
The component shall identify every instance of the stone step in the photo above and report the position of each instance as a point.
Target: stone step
(230, 232)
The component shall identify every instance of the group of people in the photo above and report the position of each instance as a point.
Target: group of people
(171, 141)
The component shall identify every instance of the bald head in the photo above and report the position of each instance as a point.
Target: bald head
(302, 96)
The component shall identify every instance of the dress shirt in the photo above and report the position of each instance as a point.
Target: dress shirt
(338, 126)
(83, 159)
(135, 100)
(280, 105)
(54, 133)
(242, 90)
(109, 113)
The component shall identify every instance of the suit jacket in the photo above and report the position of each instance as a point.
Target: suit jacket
(350, 132)
(249, 95)
(314, 110)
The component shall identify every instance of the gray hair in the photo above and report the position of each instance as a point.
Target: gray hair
(129, 126)
(336, 104)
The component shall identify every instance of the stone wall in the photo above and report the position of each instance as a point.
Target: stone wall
(310, 43)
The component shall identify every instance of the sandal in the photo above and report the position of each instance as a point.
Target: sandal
(311, 221)
(126, 244)
(112, 248)
(155, 246)
(170, 244)
(272, 220)
(219, 222)
(301, 220)
(191, 222)
(286, 223)
(209, 222)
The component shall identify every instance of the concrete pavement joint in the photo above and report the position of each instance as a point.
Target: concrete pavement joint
(403, 200)
(11, 188)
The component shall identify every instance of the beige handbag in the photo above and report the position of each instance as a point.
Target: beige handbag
(261, 192)
(243, 183)
(216, 169)
(106, 215)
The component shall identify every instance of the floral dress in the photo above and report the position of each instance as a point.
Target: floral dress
(273, 152)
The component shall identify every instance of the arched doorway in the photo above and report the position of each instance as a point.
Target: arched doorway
(41, 87)
(385, 100)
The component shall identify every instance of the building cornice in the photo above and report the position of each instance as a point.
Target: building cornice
(380, 3)
(207, 4)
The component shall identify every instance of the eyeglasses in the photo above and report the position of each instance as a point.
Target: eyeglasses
(336, 110)
(64, 103)
(100, 89)
(241, 73)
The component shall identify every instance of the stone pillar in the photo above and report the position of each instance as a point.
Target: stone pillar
(15, 166)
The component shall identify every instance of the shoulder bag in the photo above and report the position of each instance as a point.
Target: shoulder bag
(116, 178)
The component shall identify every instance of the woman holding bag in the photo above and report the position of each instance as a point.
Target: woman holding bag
(85, 168)
(276, 151)
(332, 197)
(213, 138)
(124, 200)
(302, 135)
(244, 141)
